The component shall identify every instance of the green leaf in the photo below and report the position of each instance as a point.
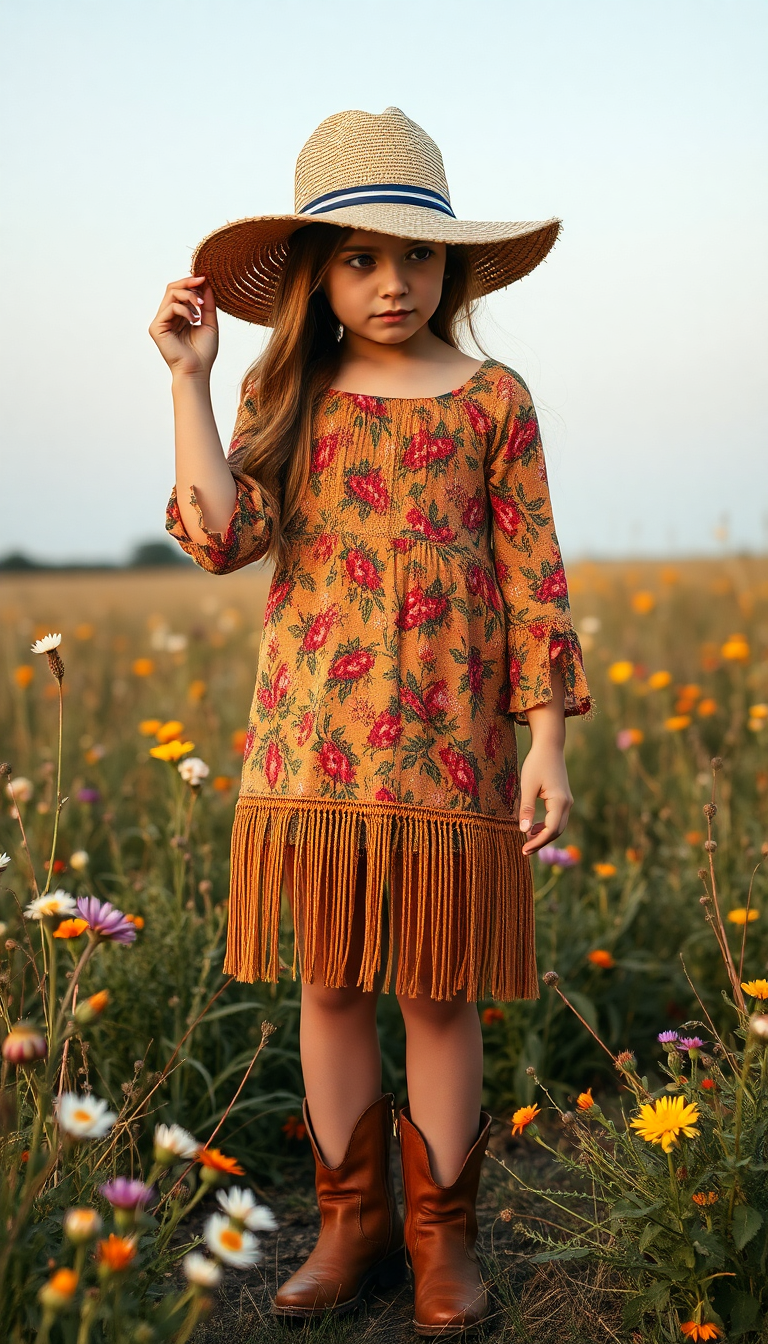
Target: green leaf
(648, 1234)
(624, 1208)
(570, 1253)
(746, 1222)
(745, 1311)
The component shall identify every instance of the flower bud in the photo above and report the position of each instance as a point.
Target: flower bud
(81, 1226)
(57, 1293)
(87, 1011)
(24, 1043)
(758, 1026)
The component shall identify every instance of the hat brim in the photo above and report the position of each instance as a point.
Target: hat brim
(242, 261)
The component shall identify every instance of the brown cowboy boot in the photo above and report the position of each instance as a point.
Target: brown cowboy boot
(440, 1235)
(361, 1231)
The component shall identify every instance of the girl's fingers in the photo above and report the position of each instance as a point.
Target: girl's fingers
(186, 282)
(548, 830)
(166, 315)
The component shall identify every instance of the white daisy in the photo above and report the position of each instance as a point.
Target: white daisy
(193, 771)
(84, 1117)
(5, 859)
(45, 645)
(229, 1243)
(243, 1210)
(174, 1144)
(20, 790)
(201, 1272)
(55, 903)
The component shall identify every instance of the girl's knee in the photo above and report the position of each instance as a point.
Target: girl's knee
(437, 1013)
(347, 999)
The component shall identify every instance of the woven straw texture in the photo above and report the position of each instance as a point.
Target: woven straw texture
(243, 259)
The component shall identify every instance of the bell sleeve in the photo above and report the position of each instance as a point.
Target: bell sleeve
(248, 533)
(528, 563)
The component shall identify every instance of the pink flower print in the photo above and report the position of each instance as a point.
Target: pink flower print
(475, 672)
(368, 405)
(277, 598)
(553, 586)
(386, 730)
(325, 449)
(506, 388)
(417, 608)
(273, 764)
(460, 770)
(250, 738)
(418, 520)
(384, 795)
(509, 788)
(436, 699)
(362, 571)
(304, 730)
(427, 655)
(318, 630)
(335, 763)
(473, 515)
(423, 449)
(370, 489)
(480, 421)
(515, 670)
(403, 544)
(411, 699)
(351, 666)
(523, 434)
(492, 742)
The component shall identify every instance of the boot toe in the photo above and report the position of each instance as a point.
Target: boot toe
(304, 1292)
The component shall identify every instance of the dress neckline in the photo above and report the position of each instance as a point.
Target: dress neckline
(440, 396)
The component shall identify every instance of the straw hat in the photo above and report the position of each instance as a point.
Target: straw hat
(363, 171)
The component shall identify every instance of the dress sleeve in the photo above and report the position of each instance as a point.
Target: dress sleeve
(248, 533)
(527, 560)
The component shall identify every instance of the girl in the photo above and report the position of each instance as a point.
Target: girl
(418, 609)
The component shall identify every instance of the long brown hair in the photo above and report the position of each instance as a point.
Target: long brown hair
(287, 382)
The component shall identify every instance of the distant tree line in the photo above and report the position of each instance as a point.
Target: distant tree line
(145, 555)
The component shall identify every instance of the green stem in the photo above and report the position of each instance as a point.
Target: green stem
(675, 1190)
(87, 1312)
(43, 1333)
(85, 956)
(193, 1317)
(737, 1125)
(58, 792)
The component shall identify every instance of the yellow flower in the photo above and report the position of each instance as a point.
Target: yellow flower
(585, 1101)
(707, 707)
(148, 727)
(757, 988)
(605, 869)
(142, 667)
(168, 731)
(522, 1118)
(663, 1121)
(658, 680)
(742, 916)
(643, 602)
(758, 711)
(735, 649)
(677, 723)
(136, 920)
(756, 725)
(23, 675)
(621, 671)
(197, 690)
(171, 751)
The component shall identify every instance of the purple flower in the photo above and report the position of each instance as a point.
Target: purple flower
(123, 1193)
(102, 919)
(667, 1037)
(562, 857)
(690, 1043)
(88, 796)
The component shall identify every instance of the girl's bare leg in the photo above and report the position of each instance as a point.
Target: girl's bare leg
(444, 1064)
(340, 1054)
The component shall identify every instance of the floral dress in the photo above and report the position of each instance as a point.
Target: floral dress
(417, 616)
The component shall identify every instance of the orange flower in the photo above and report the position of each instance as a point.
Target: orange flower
(492, 1015)
(98, 1001)
(84, 631)
(705, 1197)
(70, 928)
(600, 957)
(522, 1118)
(707, 707)
(677, 723)
(170, 730)
(708, 1084)
(604, 869)
(658, 680)
(196, 692)
(574, 852)
(171, 751)
(741, 915)
(239, 739)
(116, 1253)
(643, 602)
(215, 1160)
(222, 783)
(634, 855)
(621, 671)
(56, 1295)
(706, 1330)
(142, 667)
(295, 1128)
(735, 649)
(23, 675)
(694, 837)
(136, 920)
(585, 1101)
(148, 727)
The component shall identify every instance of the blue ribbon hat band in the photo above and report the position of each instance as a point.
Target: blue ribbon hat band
(384, 193)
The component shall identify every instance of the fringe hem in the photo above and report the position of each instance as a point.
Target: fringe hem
(461, 899)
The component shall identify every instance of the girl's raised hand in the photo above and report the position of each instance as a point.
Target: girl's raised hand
(185, 329)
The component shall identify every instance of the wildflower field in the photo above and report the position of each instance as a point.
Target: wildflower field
(137, 1079)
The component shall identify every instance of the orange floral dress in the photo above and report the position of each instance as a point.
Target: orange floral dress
(417, 616)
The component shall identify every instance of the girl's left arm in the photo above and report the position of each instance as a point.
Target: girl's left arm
(544, 659)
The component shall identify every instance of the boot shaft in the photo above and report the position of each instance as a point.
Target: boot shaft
(426, 1201)
(362, 1181)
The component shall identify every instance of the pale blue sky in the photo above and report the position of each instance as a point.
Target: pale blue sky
(133, 130)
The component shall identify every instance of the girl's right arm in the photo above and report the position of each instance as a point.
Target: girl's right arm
(186, 332)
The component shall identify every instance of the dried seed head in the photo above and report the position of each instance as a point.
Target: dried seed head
(506, 1215)
(568, 1117)
(531, 1071)
(56, 664)
(551, 978)
(710, 846)
(702, 873)
(681, 1174)
(5, 768)
(716, 763)
(764, 849)
(710, 810)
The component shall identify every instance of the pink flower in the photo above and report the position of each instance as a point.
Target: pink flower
(336, 763)
(318, 630)
(418, 520)
(386, 730)
(277, 598)
(104, 920)
(423, 450)
(370, 488)
(273, 764)
(324, 546)
(351, 666)
(553, 586)
(475, 672)
(368, 405)
(480, 584)
(325, 450)
(460, 770)
(507, 515)
(481, 423)
(362, 571)
(523, 434)
(473, 516)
